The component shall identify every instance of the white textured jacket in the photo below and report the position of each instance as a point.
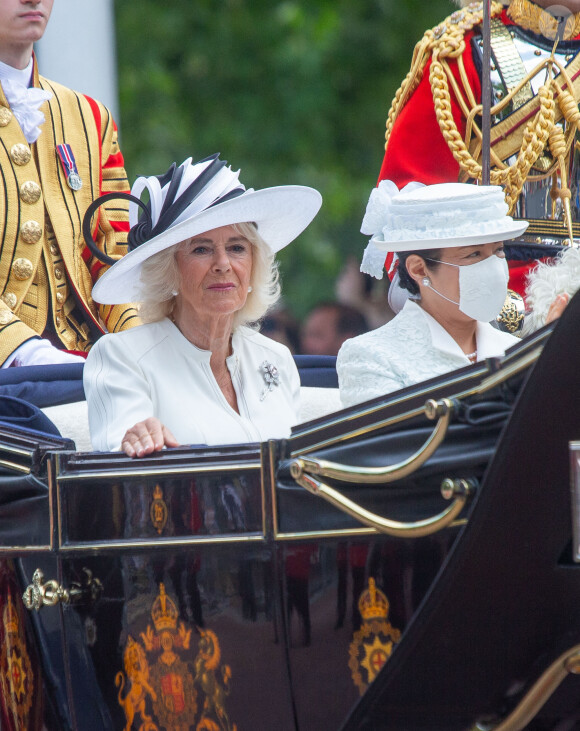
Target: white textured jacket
(153, 370)
(411, 348)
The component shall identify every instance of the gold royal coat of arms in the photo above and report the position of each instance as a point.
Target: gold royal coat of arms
(166, 687)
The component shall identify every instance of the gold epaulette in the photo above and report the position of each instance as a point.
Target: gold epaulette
(446, 40)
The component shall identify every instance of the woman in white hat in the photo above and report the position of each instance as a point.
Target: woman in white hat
(452, 277)
(201, 263)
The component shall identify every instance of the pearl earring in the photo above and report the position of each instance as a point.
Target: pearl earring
(250, 288)
(426, 282)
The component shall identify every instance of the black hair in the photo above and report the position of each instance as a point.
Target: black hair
(431, 258)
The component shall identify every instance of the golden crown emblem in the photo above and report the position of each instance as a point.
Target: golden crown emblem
(164, 612)
(373, 604)
(10, 617)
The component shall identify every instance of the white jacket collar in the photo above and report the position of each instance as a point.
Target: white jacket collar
(491, 343)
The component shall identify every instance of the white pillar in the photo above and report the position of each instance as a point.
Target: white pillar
(78, 49)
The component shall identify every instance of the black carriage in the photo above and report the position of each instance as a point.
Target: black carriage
(410, 563)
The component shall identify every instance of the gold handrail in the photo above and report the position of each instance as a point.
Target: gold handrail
(381, 475)
(567, 664)
(460, 490)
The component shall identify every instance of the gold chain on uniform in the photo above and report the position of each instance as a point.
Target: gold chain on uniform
(532, 17)
(447, 42)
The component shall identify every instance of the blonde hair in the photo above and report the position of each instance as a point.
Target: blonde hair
(160, 281)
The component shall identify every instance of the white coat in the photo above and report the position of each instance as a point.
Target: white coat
(153, 370)
(411, 348)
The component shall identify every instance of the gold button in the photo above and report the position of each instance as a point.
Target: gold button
(10, 299)
(22, 269)
(31, 232)
(59, 298)
(58, 272)
(57, 319)
(20, 154)
(5, 116)
(30, 192)
(54, 249)
(5, 317)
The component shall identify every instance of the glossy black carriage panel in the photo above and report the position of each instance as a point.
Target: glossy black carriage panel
(33, 692)
(187, 630)
(109, 501)
(348, 602)
(145, 509)
(23, 698)
(183, 639)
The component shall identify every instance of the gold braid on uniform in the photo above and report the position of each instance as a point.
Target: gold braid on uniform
(447, 41)
(532, 17)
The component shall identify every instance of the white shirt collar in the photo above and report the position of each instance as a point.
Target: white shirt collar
(19, 76)
(24, 100)
(440, 338)
(490, 343)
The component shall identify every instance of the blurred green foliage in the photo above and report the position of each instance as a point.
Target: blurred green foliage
(290, 91)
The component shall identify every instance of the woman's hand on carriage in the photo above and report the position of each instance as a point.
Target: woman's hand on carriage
(147, 437)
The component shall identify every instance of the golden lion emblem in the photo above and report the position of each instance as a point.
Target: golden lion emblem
(137, 672)
(207, 664)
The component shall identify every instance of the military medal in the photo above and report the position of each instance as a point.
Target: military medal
(69, 165)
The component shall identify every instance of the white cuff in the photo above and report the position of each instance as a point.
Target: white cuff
(38, 351)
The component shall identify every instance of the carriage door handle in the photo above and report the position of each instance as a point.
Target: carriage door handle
(50, 593)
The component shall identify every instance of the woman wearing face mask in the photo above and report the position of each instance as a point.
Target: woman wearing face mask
(452, 278)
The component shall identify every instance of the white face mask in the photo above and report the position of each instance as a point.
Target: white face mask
(482, 287)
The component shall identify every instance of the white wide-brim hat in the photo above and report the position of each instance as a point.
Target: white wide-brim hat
(437, 216)
(280, 214)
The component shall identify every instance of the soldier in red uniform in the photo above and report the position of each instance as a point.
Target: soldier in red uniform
(434, 125)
